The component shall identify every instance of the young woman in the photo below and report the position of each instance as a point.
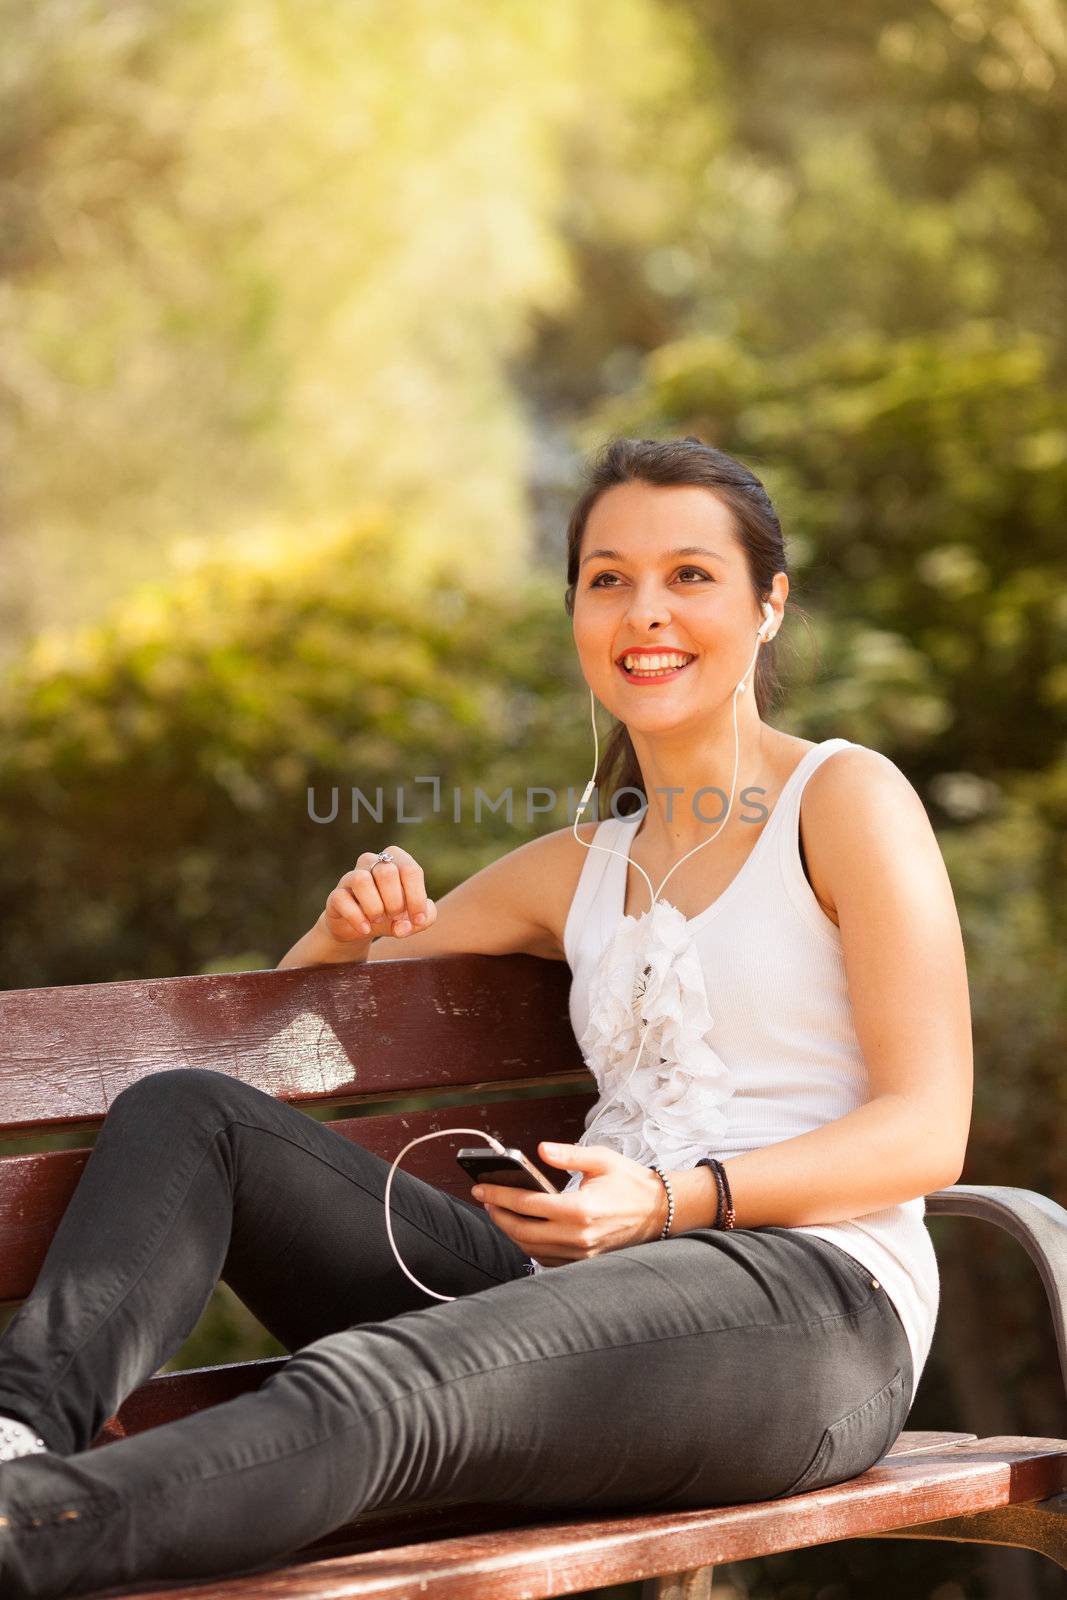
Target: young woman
(799, 996)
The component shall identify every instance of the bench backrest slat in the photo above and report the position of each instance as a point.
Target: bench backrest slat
(366, 1031)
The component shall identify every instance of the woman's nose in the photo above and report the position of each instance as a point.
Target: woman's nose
(648, 609)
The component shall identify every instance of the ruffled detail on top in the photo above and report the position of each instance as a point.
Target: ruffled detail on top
(672, 1109)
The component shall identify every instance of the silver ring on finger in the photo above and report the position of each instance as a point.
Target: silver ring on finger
(383, 855)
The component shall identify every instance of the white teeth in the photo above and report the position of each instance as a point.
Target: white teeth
(660, 663)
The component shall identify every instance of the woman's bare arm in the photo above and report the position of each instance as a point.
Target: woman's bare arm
(872, 845)
(514, 905)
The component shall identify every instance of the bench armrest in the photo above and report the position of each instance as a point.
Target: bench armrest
(1039, 1224)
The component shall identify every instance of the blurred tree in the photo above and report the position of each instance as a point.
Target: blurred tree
(155, 769)
(894, 168)
(920, 481)
(265, 268)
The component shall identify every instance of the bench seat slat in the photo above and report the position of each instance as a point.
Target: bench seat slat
(319, 1034)
(35, 1189)
(556, 1556)
(431, 1520)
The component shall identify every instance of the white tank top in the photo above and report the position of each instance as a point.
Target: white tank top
(751, 1033)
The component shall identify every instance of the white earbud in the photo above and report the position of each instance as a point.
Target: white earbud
(762, 636)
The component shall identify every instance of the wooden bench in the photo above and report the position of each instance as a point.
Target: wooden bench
(484, 1028)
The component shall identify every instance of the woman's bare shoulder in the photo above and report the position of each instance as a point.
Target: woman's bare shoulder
(848, 787)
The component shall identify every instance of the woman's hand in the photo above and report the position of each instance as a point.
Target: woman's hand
(620, 1202)
(378, 898)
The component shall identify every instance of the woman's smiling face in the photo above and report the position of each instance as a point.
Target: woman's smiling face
(661, 572)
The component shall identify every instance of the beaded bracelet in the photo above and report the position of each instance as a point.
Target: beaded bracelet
(725, 1216)
(653, 1167)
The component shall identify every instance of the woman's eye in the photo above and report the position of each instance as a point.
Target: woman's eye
(598, 583)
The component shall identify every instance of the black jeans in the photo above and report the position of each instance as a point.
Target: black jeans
(713, 1368)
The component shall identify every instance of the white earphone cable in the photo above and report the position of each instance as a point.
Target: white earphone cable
(479, 1133)
(761, 634)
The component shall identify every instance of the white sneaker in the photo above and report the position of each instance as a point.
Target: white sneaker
(16, 1439)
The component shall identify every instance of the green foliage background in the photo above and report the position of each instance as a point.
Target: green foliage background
(308, 315)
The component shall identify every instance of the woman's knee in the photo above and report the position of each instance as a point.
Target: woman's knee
(182, 1089)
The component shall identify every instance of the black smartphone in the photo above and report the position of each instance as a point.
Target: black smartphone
(483, 1165)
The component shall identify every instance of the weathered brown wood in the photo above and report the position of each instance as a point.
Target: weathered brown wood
(469, 1023)
(326, 1034)
(559, 1556)
(35, 1189)
(695, 1585)
(1040, 1526)
(171, 1395)
(910, 1444)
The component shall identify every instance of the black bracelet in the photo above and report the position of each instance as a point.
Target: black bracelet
(707, 1161)
(719, 1194)
(729, 1219)
(670, 1198)
(725, 1216)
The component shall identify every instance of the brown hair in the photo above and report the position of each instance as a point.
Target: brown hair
(669, 462)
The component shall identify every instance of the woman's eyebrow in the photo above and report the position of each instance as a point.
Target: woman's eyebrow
(682, 550)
